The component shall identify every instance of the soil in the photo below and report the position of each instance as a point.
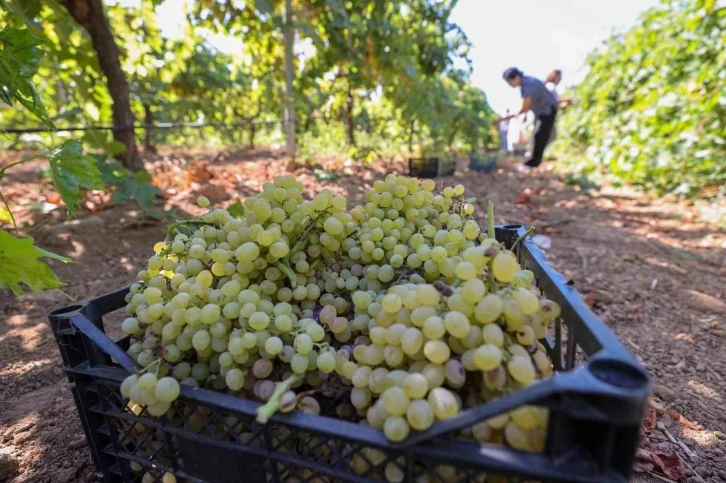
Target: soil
(651, 273)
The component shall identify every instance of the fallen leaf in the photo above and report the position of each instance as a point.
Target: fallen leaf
(643, 463)
(53, 198)
(524, 196)
(666, 464)
(649, 422)
(676, 416)
(542, 241)
(200, 173)
(589, 299)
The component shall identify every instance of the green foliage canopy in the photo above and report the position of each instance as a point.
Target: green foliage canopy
(652, 109)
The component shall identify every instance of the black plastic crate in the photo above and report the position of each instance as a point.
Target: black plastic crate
(595, 403)
(431, 167)
(484, 162)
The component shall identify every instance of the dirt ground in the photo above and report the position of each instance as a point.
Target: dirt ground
(653, 275)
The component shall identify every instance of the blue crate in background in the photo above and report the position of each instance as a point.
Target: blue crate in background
(485, 162)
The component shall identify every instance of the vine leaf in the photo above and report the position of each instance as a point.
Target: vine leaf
(71, 170)
(236, 209)
(19, 264)
(19, 62)
(130, 185)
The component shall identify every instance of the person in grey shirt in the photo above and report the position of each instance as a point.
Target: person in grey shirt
(537, 98)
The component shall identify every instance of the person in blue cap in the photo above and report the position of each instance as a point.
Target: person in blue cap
(538, 99)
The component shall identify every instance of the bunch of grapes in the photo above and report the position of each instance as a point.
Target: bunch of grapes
(401, 311)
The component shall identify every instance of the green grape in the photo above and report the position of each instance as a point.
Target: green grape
(543, 363)
(130, 326)
(504, 266)
(360, 397)
(439, 254)
(393, 334)
(525, 335)
(420, 314)
(427, 295)
(473, 291)
(513, 315)
(457, 324)
(201, 340)
(549, 310)
(420, 415)
(332, 226)
(528, 301)
(437, 351)
(489, 309)
(361, 299)
(235, 379)
(433, 328)
(273, 345)
(465, 271)
(299, 363)
(303, 344)
(391, 303)
(147, 382)
(516, 437)
(247, 252)
(361, 376)
(127, 384)
(167, 389)
(396, 428)
(152, 295)
(525, 417)
(521, 369)
(415, 386)
(326, 362)
(259, 321)
(395, 401)
(385, 273)
(411, 341)
(443, 403)
(487, 357)
(493, 334)
(210, 313)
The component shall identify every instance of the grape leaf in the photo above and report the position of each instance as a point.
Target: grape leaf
(236, 209)
(19, 62)
(71, 170)
(19, 264)
(130, 185)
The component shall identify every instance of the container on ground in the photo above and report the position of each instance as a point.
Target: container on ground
(596, 402)
(432, 167)
(485, 162)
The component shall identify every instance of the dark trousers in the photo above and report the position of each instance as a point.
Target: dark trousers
(545, 126)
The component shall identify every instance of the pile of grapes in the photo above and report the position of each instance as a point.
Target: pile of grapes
(394, 314)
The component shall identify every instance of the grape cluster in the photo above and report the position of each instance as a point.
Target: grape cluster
(401, 311)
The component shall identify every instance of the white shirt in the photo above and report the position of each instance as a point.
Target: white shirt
(553, 90)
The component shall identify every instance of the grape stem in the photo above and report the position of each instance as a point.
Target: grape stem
(146, 369)
(491, 233)
(285, 268)
(529, 231)
(266, 411)
(180, 223)
(303, 238)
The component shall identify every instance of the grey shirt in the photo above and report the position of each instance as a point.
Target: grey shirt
(543, 103)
